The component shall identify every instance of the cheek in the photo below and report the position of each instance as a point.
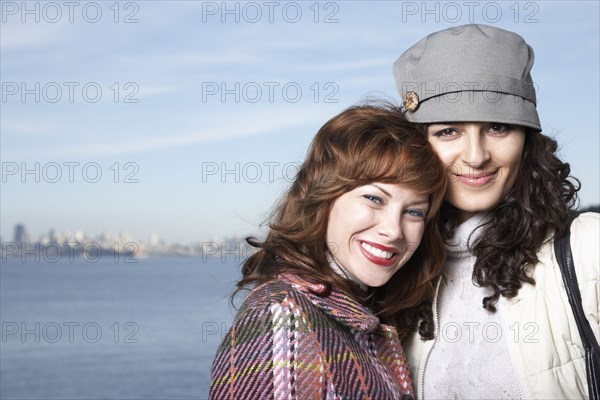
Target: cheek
(513, 161)
(512, 177)
(344, 220)
(445, 151)
(413, 236)
(334, 238)
(514, 151)
(517, 161)
(334, 228)
(334, 225)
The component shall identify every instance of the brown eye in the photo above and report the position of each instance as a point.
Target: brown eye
(499, 128)
(447, 132)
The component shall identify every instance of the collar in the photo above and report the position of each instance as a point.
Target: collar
(465, 235)
(339, 305)
(339, 269)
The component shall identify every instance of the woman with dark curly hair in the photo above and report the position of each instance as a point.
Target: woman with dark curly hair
(503, 325)
(352, 250)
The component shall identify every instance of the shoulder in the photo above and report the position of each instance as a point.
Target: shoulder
(267, 294)
(272, 303)
(586, 224)
(264, 313)
(255, 352)
(585, 236)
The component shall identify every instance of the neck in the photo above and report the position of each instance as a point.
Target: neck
(343, 272)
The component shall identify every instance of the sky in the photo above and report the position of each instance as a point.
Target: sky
(188, 119)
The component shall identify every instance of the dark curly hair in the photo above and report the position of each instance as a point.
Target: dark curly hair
(537, 206)
(362, 145)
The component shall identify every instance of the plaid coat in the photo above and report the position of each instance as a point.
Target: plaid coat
(289, 343)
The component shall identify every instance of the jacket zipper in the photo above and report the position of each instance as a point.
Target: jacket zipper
(502, 307)
(435, 338)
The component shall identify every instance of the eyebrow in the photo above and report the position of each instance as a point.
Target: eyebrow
(416, 203)
(442, 125)
(420, 203)
(382, 189)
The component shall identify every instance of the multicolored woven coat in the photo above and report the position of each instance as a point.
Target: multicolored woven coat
(287, 342)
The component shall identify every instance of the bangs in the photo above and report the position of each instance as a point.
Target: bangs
(391, 161)
(364, 145)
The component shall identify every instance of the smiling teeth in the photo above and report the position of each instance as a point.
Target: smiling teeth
(377, 252)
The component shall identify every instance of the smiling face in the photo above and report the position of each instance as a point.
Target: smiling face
(374, 229)
(482, 162)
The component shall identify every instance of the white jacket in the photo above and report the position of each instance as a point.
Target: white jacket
(551, 366)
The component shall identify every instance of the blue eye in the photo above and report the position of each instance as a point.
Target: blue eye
(374, 199)
(416, 213)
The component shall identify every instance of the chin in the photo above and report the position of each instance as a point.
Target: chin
(473, 207)
(375, 283)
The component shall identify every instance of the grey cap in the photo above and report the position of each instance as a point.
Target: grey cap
(468, 73)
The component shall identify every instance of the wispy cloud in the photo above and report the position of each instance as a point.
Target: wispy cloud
(17, 35)
(32, 128)
(148, 90)
(239, 127)
(348, 65)
(195, 59)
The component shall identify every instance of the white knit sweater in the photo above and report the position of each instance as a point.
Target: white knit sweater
(470, 359)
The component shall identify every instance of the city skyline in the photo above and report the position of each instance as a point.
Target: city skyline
(55, 245)
(22, 235)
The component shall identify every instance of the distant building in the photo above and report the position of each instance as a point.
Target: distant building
(21, 235)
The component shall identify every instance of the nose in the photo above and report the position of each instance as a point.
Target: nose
(390, 225)
(475, 152)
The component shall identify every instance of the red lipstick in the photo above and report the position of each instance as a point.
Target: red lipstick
(384, 262)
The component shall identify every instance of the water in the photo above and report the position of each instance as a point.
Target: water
(111, 330)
